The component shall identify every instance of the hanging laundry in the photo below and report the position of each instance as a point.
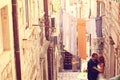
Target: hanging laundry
(91, 27)
(73, 35)
(99, 26)
(66, 31)
(82, 38)
(69, 33)
(61, 18)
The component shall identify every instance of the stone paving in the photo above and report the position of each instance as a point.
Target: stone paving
(72, 76)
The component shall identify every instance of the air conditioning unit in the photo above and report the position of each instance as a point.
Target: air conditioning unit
(55, 39)
(52, 22)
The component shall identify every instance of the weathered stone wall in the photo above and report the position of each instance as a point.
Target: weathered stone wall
(111, 29)
(33, 45)
(7, 66)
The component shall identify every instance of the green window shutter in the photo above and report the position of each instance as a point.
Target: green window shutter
(117, 0)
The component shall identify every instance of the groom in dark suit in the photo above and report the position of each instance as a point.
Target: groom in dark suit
(92, 73)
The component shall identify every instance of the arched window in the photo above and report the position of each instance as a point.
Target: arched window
(4, 30)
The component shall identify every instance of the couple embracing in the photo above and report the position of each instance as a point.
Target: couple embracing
(95, 67)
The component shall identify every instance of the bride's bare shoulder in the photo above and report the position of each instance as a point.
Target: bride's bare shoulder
(102, 64)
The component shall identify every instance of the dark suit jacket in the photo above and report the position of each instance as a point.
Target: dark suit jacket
(92, 73)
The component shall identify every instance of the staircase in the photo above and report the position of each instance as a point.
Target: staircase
(71, 76)
(68, 61)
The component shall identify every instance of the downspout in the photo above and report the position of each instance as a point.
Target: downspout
(47, 35)
(98, 8)
(16, 39)
(46, 19)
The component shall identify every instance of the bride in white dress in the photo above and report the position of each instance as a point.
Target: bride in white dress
(100, 68)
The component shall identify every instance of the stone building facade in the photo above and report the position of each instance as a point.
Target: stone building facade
(110, 12)
(32, 42)
(7, 67)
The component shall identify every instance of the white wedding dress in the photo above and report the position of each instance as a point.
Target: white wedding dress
(100, 75)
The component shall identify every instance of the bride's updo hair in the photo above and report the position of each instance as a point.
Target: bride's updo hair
(101, 60)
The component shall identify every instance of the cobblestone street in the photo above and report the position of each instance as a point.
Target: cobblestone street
(72, 76)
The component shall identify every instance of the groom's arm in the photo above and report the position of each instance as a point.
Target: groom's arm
(99, 70)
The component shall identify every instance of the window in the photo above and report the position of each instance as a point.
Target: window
(4, 30)
(100, 9)
(1, 44)
(27, 13)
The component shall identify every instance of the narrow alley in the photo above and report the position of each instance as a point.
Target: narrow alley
(59, 39)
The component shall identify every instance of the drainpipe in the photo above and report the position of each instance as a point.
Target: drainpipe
(49, 51)
(89, 10)
(46, 19)
(16, 40)
(98, 8)
(90, 46)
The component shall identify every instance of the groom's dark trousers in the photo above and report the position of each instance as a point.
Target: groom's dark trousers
(92, 73)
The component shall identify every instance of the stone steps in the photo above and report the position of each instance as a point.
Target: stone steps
(71, 76)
